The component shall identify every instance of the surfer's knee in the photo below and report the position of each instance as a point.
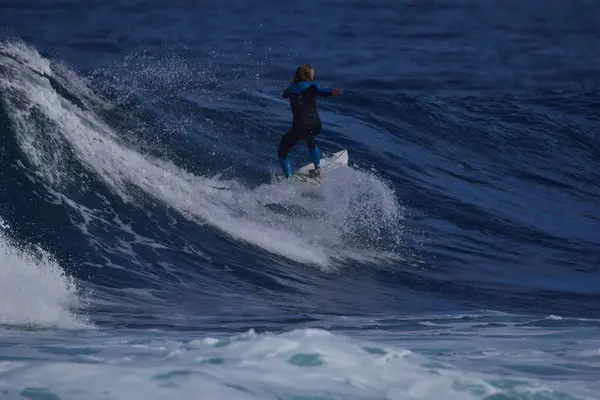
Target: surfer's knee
(285, 145)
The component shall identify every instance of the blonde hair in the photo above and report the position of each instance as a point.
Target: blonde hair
(303, 73)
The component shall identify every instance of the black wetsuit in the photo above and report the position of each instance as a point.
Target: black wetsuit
(306, 124)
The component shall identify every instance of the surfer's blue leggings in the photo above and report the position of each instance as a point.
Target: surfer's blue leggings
(288, 141)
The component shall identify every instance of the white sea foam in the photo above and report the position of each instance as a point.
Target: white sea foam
(34, 290)
(299, 364)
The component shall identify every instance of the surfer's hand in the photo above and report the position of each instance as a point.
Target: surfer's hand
(336, 92)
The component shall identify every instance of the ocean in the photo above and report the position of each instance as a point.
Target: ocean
(149, 250)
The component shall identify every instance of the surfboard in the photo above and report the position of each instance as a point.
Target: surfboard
(302, 175)
(327, 164)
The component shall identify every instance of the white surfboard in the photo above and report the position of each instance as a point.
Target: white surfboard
(327, 164)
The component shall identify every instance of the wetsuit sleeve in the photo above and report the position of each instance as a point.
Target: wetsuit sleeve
(320, 91)
(285, 94)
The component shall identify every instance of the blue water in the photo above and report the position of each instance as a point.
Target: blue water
(147, 249)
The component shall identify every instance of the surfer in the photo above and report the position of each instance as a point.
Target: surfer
(306, 125)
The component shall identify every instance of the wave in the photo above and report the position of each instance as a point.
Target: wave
(121, 204)
(148, 210)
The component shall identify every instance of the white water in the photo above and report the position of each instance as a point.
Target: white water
(355, 215)
(451, 358)
(34, 290)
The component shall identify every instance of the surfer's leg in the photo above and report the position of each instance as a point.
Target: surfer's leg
(286, 167)
(285, 145)
(313, 150)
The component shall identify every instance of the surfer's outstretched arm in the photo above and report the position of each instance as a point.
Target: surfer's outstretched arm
(324, 92)
(316, 89)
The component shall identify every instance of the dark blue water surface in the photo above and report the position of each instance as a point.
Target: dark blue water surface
(139, 156)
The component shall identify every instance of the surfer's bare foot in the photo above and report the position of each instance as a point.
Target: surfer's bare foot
(315, 172)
